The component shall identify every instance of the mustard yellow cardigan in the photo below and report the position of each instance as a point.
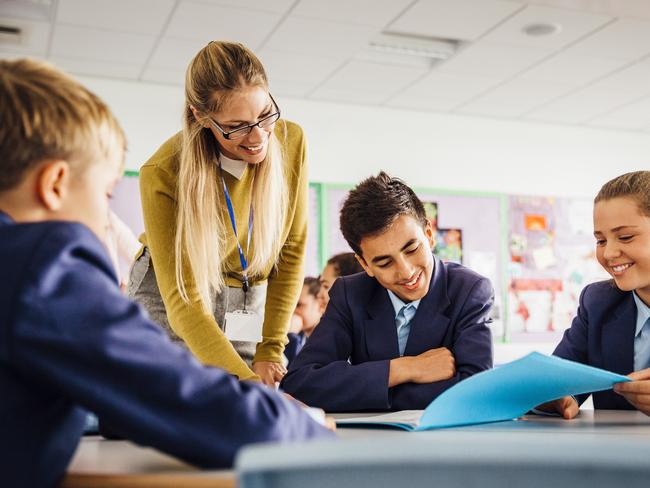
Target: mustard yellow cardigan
(199, 330)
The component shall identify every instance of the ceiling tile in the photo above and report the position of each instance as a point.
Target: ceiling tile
(625, 39)
(635, 116)
(138, 16)
(359, 97)
(364, 12)
(275, 6)
(493, 60)
(101, 45)
(169, 76)
(174, 53)
(454, 19)
(206, 22)
(319, 38)
(514, 98)
(372, 77)
(571, 68)
(639, 9)
(97, 68)
(572, 25)
(297, 67)
(290, 88)
(441, 91)
(35, 37)
(600, 98)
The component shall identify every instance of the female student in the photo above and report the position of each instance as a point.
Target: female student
(612, 327)
(224, 205)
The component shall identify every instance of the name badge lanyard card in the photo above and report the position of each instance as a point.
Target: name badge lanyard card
(242, 258)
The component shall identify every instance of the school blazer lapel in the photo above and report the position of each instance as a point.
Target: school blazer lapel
(618, 337)
(430, 325)
(379, 328)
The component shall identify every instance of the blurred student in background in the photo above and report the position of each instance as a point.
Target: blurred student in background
(307, 314)
(342, 264)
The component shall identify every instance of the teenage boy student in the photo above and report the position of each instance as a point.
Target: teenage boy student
(411, 326)
(70, 342)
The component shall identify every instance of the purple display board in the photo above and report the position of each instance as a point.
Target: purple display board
(476, 218)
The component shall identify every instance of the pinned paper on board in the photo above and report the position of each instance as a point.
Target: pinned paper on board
(535, 222)
(449, 245)
(544, 257)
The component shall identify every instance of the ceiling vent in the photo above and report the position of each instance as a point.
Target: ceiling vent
(11, 35)
(408, 50)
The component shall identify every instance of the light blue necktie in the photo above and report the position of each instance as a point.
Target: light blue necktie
(403, 323)
(642, 348)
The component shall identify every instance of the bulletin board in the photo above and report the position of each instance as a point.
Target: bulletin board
(538, 252)
(551, 257)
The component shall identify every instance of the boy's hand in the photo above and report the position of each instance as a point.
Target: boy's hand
(566, 406)
(637, 391)
(270, 373)
(430, 366)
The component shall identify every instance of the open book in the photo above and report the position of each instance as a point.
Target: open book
(499, 394)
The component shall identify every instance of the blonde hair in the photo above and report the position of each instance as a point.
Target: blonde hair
(634, 185)
(214, 73)
(47, 115)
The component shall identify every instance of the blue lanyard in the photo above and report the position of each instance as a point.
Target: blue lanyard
(231, 212)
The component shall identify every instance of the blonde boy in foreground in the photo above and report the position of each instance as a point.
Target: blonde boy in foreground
(70, 342)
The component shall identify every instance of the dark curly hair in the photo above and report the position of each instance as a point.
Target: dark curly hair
(374, 204)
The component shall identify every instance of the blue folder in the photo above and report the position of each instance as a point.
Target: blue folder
(503, 393)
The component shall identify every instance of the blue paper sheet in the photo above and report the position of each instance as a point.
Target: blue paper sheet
(513, 389)
(499, 394)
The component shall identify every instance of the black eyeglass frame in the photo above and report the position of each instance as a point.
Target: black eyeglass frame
(245, 130)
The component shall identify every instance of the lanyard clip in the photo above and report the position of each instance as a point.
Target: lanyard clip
(244, 283)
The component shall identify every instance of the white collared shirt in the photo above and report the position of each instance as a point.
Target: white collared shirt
(233, 166)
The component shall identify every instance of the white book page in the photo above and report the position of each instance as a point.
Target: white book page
(405, 417)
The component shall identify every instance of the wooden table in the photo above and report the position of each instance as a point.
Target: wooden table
(120, 464)
(117, 464)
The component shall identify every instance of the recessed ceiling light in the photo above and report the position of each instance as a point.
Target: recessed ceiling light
(541, 29)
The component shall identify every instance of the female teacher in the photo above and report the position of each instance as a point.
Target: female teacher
(225, 213)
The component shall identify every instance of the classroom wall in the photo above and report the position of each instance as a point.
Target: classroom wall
(349, 142)
(428, 150)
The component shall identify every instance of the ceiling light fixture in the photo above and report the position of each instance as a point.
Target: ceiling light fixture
(427, 47)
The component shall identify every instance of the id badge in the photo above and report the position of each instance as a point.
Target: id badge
(243, 325)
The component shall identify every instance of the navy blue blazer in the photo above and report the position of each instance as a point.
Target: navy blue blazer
(70, 343)
(296, 343)
(602, 335)
(344, 365)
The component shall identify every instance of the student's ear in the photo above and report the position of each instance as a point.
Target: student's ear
(430, 234)
(199, 118)
(363, 264)
(52, 184)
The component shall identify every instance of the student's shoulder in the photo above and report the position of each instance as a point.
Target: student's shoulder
(44, 244)
(355, 287)
(462, 276)
(602, 294)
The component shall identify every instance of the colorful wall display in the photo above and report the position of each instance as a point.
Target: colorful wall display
(537, 251)
(551, 258)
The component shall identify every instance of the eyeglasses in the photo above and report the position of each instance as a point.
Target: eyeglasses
(240, 132)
